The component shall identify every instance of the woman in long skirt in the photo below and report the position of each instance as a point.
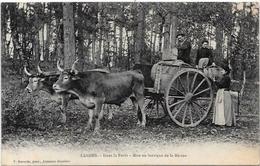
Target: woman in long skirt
(224, 112)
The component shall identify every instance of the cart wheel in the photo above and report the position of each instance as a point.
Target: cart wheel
(189, 97)
(155, 106)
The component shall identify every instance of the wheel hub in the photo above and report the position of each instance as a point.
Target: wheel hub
(188, 97)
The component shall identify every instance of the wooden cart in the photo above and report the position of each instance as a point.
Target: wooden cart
(181, 91)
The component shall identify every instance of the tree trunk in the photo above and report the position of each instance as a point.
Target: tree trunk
(161, 34)
(13, 27)
(49, 34)
(151, 39)
(243, 36)
(15, 39)
(120, 49)
(43, 36)
(140, 43)
(166, 38)
(37, 48)
(152, 34)
(105, 60)
(60, 41)
(169, 47)
(154, 43)
(128, 51)
(219, 42)
(42, 44)
(100, 25)
(47, 45)
(173, 33)
(151, 45)
(210, 32)
(3, 30)
(106, 45)
(114, 45)
(80, 38)
(99, 51)
(69, 35)
(108, 53)
(229, 42)
(86, 52)
(94, 47)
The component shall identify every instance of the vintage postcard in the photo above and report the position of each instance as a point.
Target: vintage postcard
(130, 83)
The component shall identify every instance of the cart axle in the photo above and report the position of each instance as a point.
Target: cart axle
(188, 97)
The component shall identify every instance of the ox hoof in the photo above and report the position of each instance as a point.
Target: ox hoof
(141, 124)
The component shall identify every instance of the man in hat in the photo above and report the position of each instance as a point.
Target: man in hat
(204, 55)
(184, 47)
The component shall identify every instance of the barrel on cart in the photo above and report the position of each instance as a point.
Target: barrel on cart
(181, 91)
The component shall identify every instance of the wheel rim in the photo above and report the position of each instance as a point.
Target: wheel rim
(155, 106)
(189, 98)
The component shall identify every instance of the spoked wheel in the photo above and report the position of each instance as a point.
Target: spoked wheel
(189, 97)
(155, 106)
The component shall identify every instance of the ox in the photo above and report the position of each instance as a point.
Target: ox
(95, 89)
(45, 80)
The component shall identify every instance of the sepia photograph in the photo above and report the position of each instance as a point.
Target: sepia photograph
(130, 83)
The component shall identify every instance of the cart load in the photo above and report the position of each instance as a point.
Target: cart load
(163, 71)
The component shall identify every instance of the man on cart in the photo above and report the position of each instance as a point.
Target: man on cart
(184, 48)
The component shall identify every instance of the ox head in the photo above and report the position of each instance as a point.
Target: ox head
(35, 80)
(68, 81)
(66, 78)
(69, 77)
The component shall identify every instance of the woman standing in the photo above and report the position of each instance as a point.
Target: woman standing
(224, 114)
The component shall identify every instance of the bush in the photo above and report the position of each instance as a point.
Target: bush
(20, 109)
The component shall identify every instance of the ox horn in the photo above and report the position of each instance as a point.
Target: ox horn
(26, 71)
(59, 67)
(73, 66)
(39, 69)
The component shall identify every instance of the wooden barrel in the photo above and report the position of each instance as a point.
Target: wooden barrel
(163, 71)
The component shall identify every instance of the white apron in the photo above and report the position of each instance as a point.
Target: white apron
(224, 110)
